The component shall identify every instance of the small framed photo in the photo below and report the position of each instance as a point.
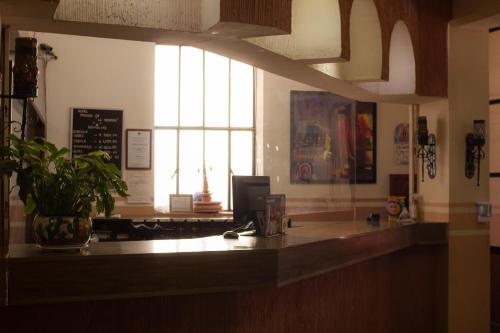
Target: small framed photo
(181, 203)
(138, 149)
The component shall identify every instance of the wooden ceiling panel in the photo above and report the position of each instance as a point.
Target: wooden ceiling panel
(323, 33)
(29, 8)
(427, 22)
(270, 13)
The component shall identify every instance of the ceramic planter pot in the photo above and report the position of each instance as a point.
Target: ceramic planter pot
(62, 232)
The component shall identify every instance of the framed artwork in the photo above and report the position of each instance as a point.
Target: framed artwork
(333, 139)
(181, 203)
(138, 149)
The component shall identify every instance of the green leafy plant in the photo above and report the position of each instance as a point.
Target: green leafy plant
(51, 184)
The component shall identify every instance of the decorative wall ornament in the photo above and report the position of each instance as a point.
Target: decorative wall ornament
(25, 68)
(401, 143)
(426, 148)
(474, 152)
(25, 75)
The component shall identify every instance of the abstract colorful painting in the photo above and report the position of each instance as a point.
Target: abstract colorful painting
(333, 139)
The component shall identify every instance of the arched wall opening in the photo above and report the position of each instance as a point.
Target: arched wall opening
(402, 79)
(365, 43)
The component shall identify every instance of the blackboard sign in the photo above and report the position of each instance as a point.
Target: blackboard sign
(94, 129)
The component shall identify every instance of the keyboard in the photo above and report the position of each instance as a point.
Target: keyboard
(159, 228)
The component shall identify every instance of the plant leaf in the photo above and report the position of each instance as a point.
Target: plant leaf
(30, 205)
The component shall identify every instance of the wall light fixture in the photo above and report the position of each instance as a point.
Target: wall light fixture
(474, 152)
(426, 148)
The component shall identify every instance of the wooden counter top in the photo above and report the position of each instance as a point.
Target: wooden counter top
(186, 266)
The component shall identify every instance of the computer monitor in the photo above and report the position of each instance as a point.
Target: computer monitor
(249, 197)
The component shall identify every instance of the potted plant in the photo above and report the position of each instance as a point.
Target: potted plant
(59, 190)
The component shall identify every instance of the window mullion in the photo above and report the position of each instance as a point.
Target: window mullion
(203, 107)
(254, 166)
(177, 178)
(229, 141)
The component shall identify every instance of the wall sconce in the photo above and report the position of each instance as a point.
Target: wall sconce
(25, 75)
(474, 152)
(426, 148)
(25, 68)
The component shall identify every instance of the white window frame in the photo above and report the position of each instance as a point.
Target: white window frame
(229, 129)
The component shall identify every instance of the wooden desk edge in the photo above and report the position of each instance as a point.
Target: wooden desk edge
(223, 272)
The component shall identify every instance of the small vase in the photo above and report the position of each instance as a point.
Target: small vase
(62, 232)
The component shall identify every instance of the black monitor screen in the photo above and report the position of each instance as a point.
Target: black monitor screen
(249, 197)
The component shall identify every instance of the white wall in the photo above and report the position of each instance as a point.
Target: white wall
(99, 73)
(115, 74)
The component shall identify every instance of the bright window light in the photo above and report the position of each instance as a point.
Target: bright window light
(166, 85)
(241, 94)
(191, 87)
(165, 166)
(216, 90)
(204, 116)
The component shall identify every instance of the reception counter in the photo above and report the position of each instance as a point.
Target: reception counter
(320, 277)
(202, 265)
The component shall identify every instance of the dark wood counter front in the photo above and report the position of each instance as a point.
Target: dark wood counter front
(204, 265)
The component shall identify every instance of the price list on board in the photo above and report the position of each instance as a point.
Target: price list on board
(95, 129)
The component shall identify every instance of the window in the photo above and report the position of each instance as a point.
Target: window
(204, 115)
